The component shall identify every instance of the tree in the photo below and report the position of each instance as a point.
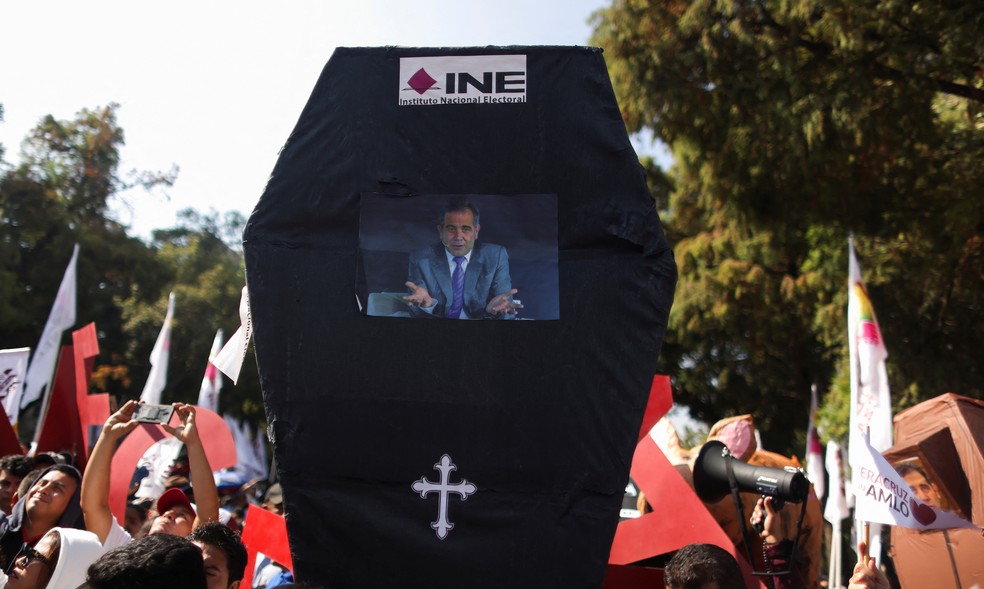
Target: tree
(204, 265)
(792, 125)
(58, 196)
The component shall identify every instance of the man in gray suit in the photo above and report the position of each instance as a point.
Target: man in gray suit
(458, 278)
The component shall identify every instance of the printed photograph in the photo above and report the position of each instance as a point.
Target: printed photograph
(489, 257)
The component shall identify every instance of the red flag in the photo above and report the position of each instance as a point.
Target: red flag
(71, 410)
(660, 402)
(9, 444)
(679, 517)
(266, 532)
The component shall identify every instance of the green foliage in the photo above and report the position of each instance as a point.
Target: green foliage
(792, 125)
(58, 196)
(207, 277)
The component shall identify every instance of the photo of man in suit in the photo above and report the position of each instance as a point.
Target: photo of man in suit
(460, 278)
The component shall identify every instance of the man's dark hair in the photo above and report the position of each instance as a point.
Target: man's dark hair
(160, 561)
(17, 465)
(907, 467)
(695, 565)
(229, 542)
(44, 460)
(459, 205)
(67, 469)
(28, 481)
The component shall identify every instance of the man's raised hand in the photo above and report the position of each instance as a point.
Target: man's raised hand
(866, 573)
(502, 305)
(187, 432)
(121, 423)
(418, 297)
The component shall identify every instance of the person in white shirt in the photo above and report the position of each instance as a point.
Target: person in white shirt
(177, 515)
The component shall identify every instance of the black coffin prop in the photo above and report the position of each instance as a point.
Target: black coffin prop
(535, 421)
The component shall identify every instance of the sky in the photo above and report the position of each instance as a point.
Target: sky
(215, 87)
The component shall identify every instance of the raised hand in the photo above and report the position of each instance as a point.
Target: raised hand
(866, 574)
(503, 304)
(121, 423)
(418, 297)
(187, 432)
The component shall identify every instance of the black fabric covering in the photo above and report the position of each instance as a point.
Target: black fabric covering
(542, 416)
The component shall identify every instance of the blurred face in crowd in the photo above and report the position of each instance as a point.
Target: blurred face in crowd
(216, 567)
(134, 520)
(176, 521)
(8, 486)
(33, 566)
(48, 498)
(923, 489)
(277, 508)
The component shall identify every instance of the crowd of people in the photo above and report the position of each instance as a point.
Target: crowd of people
(57, 528)
(58, 531)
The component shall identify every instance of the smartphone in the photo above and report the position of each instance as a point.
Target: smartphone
(147, 413)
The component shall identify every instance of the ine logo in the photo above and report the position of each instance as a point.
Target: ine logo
(462, 79)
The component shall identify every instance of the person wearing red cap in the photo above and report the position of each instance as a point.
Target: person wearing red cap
(177, 515)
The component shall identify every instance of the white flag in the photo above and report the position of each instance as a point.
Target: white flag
(836, 508)
(260, 452)
(814, 450)
(158, 359)
(246, 460)
(208, 396)
(883, 496)
(871, 406)
(157, 461)
(230, 359)
(61, 317)
(13, 365)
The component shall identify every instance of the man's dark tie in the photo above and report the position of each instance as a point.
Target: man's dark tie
(457, 289)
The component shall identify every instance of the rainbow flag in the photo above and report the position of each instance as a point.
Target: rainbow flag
(871, 407)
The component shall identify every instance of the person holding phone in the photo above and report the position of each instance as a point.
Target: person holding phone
(177, 515)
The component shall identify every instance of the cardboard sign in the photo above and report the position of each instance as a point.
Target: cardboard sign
(461, 432)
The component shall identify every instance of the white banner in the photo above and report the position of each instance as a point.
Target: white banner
(62, 316)
(871, 405)
(247, 462)
(814, 450)
(159, 357)
(836, 508)
(230, 359)
(882, 496)
(157, 460)
(13, 366)
(208, 396)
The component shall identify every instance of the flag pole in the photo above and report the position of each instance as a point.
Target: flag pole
(833, 572)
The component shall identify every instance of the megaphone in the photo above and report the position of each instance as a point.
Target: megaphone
(711, 480)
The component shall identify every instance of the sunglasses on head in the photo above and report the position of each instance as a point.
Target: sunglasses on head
(28, 555)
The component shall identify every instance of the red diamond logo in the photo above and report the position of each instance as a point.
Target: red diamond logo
(421, 81)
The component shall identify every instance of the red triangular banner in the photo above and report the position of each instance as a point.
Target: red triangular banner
(266, 532)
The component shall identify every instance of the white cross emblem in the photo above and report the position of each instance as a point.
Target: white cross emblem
(443, 488)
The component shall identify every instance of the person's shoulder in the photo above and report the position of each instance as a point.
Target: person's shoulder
(116, 536)
(490, 250)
